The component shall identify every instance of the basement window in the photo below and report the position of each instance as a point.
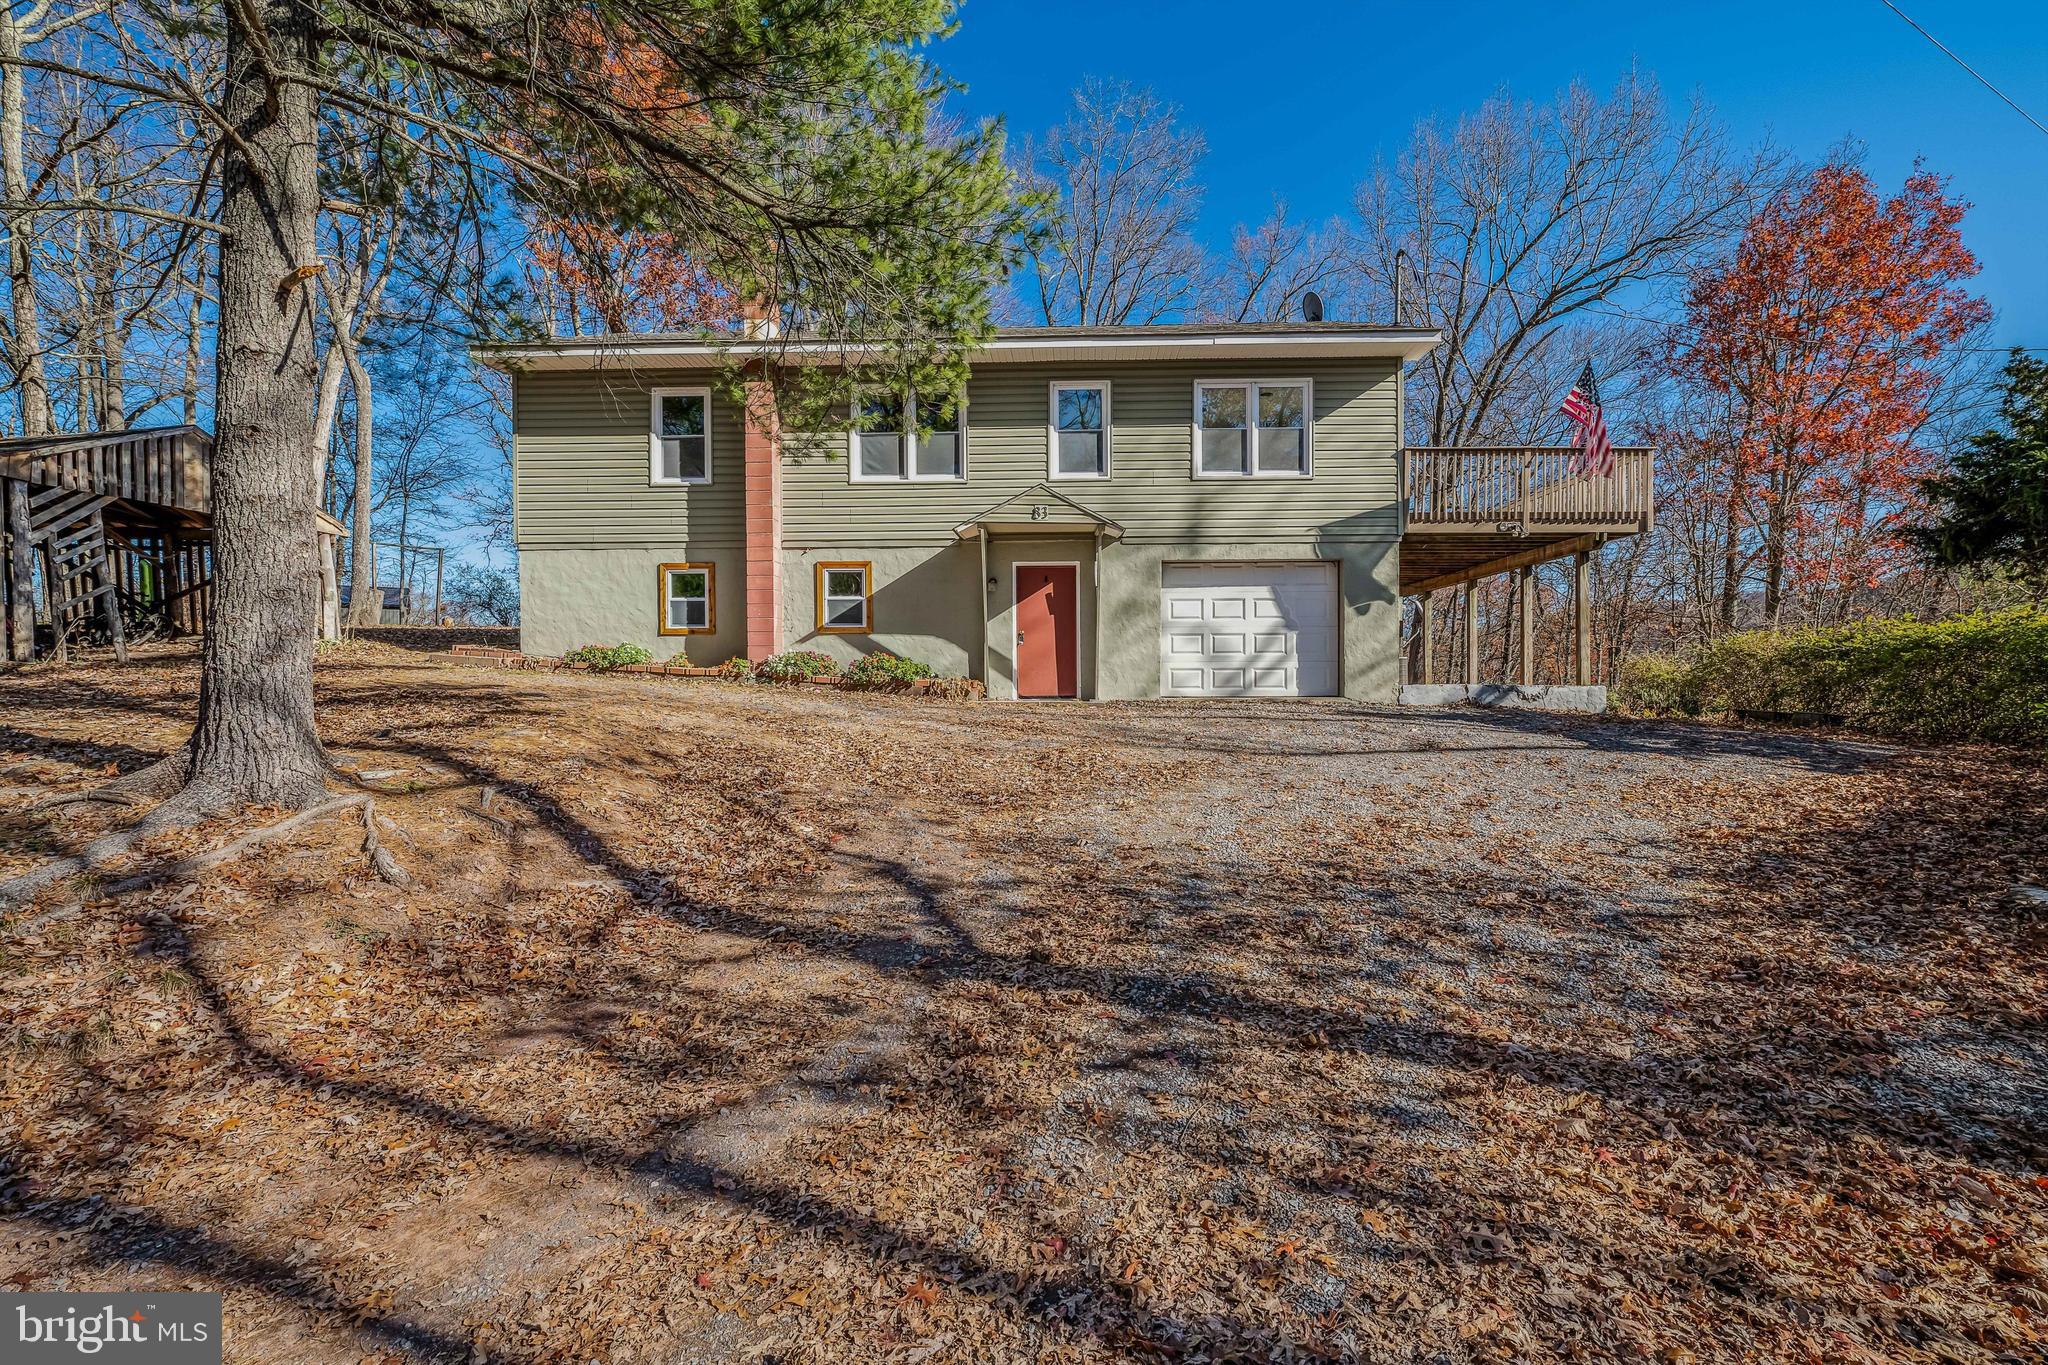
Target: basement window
(686, 602)
(845, 597)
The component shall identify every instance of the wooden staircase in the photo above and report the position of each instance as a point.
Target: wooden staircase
(67, 526)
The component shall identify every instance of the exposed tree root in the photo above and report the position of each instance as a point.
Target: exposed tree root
(160, 780)
(380, 858)
(185, 810)
(172, 814)
(99, 795)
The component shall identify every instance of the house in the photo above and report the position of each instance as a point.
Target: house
(391, 606)
(1111, 512)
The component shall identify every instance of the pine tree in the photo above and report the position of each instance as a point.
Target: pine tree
(1992, 507)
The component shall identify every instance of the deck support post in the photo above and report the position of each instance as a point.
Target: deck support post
(330, 590)
(1582, 616)
(173, 586)
(21, 576)
(60, 620)
(109, 575)
(1525, 622)
(1472, 632)
(1425, 627)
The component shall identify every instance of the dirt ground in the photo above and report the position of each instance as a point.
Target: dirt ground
(733, 1023)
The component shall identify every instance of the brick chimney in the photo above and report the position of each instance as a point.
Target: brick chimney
(762, 448)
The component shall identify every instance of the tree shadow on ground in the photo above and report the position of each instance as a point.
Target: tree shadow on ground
(1187, 1015)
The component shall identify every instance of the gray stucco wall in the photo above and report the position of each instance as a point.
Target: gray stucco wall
(922, 599)
(924, 607)
(569, 598)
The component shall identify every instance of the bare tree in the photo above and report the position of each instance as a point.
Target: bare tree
(20, 31)
(1271, 266)
(1523, 218)
(1125, 173)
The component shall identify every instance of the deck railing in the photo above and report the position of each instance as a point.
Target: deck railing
(1521, 489)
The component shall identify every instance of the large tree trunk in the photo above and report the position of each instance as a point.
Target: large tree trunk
(37, 419)
(256, 743)
(365, 602)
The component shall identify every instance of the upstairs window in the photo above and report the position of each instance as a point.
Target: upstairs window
(686, 603)
(1252, 429)
(1080, 432)
(679, 446)
(887, 447)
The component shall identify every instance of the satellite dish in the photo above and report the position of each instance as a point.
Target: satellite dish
(1311, 307)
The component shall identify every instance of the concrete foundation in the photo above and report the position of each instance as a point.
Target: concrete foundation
(1591, 700)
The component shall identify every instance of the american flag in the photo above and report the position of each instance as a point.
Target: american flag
(1582, 405)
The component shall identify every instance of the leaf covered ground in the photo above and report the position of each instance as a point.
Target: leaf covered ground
(763, 1023)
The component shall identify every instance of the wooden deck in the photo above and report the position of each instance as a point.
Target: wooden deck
(102, 527)
(165, 469)
(1476, 511)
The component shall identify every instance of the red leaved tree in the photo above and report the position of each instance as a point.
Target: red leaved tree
(1830, 331)
(587, 271)
(589, 274)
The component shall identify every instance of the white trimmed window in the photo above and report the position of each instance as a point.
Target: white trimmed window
(679, 440)
(1257, 429)
(1079, 432)
(888, 447)
(845, 590)
(686, 603)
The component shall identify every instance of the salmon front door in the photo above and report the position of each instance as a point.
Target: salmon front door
(1047, 659)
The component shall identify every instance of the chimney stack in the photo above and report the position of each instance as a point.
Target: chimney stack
(759, 320)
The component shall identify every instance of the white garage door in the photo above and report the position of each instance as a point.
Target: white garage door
(1248, 630)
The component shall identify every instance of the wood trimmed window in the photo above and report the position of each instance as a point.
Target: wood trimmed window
(679, 437)
(887, 448)
(689, 602)
(1077, 430)
(845, 597)
(1254, 429)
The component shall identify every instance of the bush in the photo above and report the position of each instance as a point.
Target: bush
(605, 658)
(737, 670)
(884, 672)
(1981, 676)
(1658, 685)
(797, 665)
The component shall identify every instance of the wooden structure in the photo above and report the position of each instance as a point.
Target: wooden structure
(118, 526)
(1474, 511)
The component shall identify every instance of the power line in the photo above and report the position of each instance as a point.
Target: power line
(1981, 78)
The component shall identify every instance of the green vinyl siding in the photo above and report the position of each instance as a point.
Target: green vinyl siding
(580, 469)
(1352, 496)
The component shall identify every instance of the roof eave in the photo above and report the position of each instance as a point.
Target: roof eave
(1407, 343)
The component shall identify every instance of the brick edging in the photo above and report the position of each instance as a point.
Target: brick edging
(492, 656)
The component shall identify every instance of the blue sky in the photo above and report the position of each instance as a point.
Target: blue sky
(1297, 99)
